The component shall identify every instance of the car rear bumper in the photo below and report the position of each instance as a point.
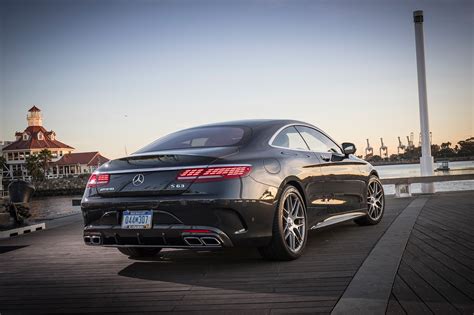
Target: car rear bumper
(175, 236)
(229, 222)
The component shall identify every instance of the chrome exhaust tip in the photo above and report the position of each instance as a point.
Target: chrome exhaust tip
(93, 240)
(210, 241)
(96, 240)
(193, 241)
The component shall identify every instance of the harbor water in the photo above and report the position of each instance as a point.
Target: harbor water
(44, 208)
(413, 170)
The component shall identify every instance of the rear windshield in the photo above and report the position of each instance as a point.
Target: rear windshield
(203, 137)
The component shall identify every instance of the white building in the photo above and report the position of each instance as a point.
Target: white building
(31, 141)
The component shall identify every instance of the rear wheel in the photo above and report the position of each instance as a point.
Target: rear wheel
(289, 228)
(375, 203)
(137, 252)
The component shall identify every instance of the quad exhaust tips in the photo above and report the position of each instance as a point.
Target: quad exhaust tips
(192, 241)
(93, 240)
(210, 241)
(205, 241)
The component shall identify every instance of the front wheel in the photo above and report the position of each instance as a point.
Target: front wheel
(375, 203)
(139, 252)
(289, 228)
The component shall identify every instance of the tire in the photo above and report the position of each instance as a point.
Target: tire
(139, 252)
(375, 203)
(291, 223)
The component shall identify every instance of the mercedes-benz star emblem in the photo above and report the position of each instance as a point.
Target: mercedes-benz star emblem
(138, 180)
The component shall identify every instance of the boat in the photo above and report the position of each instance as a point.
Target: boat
(444, 166)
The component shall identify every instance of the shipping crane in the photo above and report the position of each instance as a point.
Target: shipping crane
(369, 151)
(401, 146)
(410, 145)
(431, 139)
(383, 150)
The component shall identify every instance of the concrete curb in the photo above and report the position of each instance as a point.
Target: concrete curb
(370, 289)
(22, 230)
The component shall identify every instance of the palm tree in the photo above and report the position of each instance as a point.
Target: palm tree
(45, 157)
(33, 165)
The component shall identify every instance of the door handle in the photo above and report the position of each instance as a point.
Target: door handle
(289, 153)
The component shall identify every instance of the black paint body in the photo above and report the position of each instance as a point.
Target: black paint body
(241, 211)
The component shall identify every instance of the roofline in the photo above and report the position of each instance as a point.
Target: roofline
(36, 149)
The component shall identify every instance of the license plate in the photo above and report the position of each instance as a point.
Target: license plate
(137, 219)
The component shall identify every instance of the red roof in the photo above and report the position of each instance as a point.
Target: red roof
(89, 158)
(34, 109)
(34, 143)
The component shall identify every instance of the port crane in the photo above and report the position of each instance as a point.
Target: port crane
(431, 139)
(383, 149)
(369, 151)
(401, 146)
(410, 145)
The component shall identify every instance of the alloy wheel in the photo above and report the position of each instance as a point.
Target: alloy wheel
(294, 223)
(375, 200)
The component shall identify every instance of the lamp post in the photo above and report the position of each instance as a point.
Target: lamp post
(426, 160)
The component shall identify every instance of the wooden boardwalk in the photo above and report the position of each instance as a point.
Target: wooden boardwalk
(436, 274)
(54, 272)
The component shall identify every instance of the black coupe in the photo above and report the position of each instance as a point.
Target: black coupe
(258, 183)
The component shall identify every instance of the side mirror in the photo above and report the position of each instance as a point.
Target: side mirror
(348, 148)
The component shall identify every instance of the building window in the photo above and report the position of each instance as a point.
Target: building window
(40, 136)
(25, 136)
(52, 136)
(60, 153)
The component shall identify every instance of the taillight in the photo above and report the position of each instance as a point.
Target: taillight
(214, 173)
(98, 179)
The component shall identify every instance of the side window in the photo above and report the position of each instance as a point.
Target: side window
(291, 139)
(317, 141)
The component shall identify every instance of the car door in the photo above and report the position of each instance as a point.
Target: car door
(301, 162)
(344, 185)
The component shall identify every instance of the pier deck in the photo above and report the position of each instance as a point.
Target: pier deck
(54, 272)
(436, 274)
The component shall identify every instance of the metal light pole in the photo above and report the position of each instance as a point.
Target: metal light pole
(426, 160)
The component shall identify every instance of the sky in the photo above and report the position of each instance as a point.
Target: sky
(112, 76)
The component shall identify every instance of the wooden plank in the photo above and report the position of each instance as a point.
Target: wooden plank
(408, 300)
(436, 302)
(394, 307)
(459, 300)
(425, 249)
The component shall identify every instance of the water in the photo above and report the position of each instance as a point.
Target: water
(54, 207)
(413, 170)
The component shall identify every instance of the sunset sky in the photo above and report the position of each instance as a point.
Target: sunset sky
(114, 74)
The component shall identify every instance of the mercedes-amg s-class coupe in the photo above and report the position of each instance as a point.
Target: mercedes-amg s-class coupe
(257, 183)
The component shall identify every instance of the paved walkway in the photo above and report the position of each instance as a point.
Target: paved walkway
(53, 272)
